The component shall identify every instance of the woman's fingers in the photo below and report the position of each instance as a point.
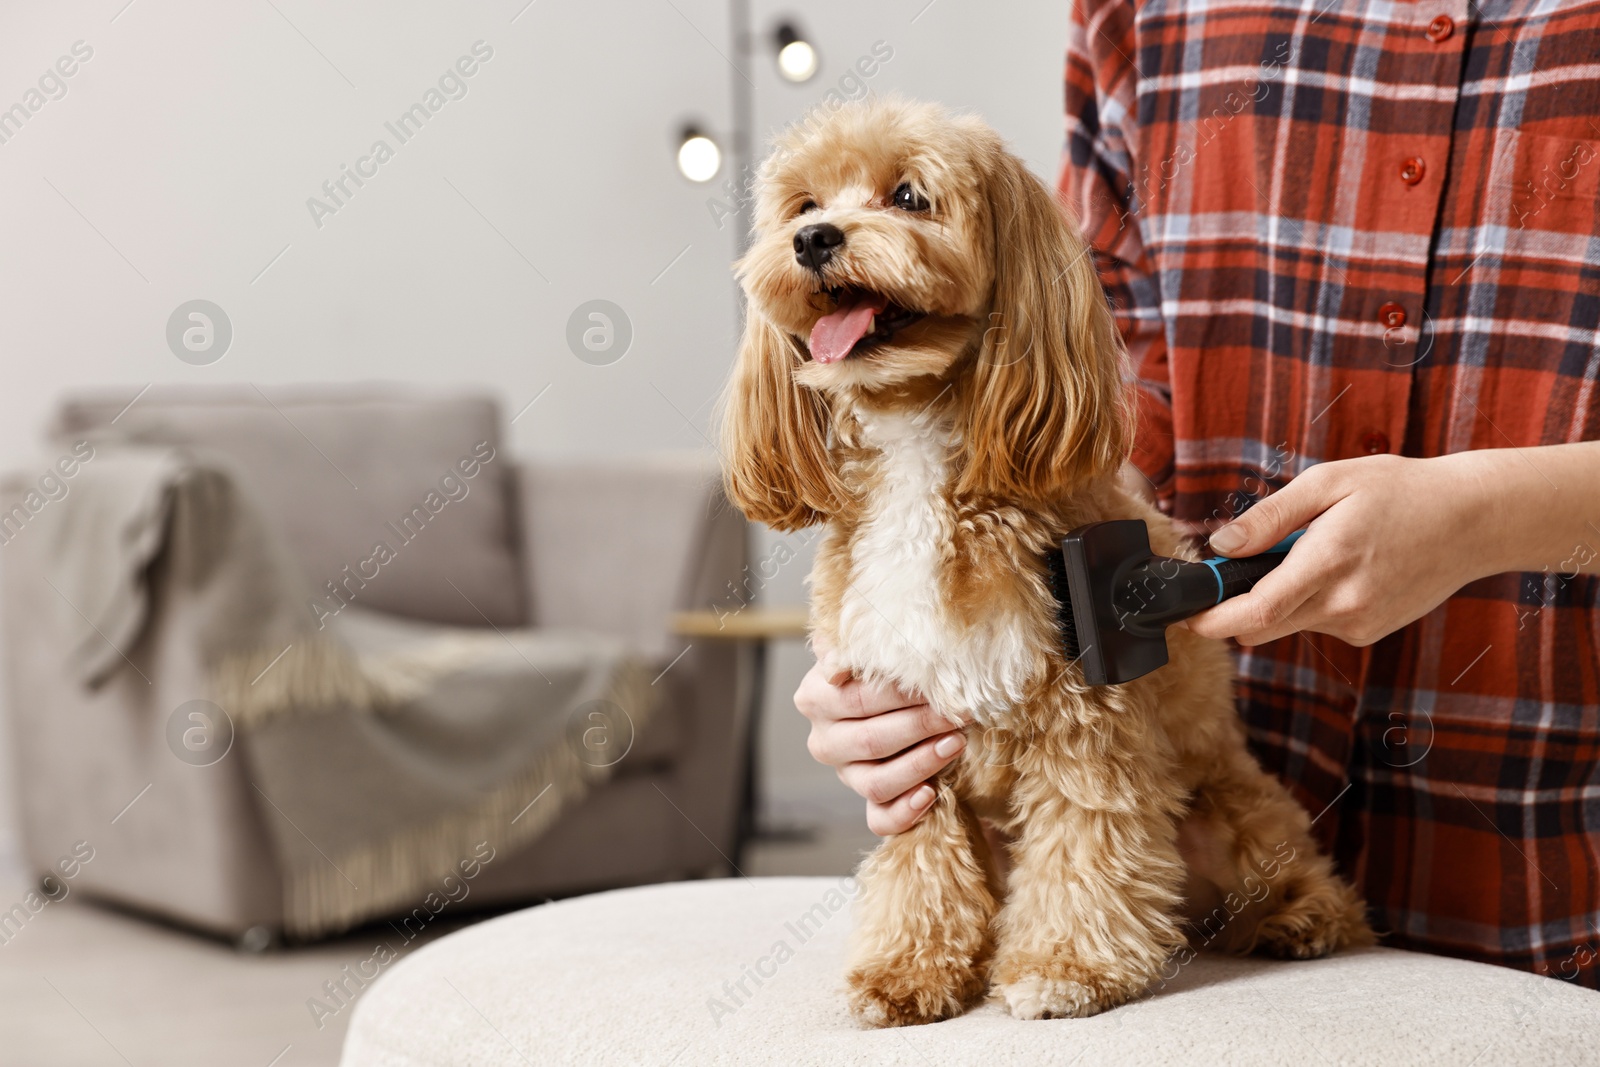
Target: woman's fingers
(1275, 517)
(1291, 624)
(876, 738)
(834, 671)
(1268, 608)
(884, 743)
(882, 781)
(901, 813)
(822, 700)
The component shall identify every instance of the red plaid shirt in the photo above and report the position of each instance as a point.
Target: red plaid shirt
(1332, 228)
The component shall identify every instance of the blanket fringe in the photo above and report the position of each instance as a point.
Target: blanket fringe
(311, 674)
(401, 871)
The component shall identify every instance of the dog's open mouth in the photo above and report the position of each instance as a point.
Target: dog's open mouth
(859, 320)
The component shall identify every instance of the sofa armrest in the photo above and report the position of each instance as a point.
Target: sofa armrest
(84, 752)
(617, 546)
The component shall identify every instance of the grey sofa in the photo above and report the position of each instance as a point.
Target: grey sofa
(611, 547)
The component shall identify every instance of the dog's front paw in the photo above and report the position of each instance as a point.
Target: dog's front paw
(1063, 989)
(1038, 997)
(911, 994)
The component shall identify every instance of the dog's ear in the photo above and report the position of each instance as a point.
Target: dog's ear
(775, 434)
(1044, 410)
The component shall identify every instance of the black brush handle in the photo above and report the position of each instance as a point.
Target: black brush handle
(1241, 575)
(1152, 594)
(1236, 576)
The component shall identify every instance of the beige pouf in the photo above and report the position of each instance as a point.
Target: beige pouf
(747, 971)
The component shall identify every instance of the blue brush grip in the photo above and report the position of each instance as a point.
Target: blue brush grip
(1280, 549)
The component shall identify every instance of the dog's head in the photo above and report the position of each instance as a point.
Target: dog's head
(903, 258)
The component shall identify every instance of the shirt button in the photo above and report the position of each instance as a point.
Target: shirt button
(1441, 28)
(1392, 315)
(1412, 170)
(1375, 443)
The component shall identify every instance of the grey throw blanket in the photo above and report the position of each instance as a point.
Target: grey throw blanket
(381, 750)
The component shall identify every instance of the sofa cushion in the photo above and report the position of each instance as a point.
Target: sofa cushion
(344, 469)
(749, 971)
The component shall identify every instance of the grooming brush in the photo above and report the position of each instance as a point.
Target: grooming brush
(1116, 598)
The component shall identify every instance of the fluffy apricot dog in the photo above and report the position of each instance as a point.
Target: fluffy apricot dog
(929, 367)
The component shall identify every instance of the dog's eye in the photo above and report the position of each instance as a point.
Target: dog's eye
(809, 205)
(908, 199)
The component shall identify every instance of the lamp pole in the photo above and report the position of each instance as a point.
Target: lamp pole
(742, 146)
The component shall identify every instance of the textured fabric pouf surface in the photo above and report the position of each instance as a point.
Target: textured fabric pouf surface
(748, 971)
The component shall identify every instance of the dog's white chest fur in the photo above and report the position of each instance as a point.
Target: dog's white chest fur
(893, 622)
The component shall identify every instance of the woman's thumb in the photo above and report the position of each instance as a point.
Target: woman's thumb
(1272, 518)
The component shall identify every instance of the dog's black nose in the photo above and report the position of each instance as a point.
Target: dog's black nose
(814, 244)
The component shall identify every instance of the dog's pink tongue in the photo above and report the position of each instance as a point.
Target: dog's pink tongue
(837, 332)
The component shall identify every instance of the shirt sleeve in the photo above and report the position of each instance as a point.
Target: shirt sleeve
(1097, 185)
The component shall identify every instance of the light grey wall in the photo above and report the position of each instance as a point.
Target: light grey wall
(179, 164)
(179, 161)
(1000, 60)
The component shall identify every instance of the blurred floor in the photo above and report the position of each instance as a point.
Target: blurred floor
(86, 986)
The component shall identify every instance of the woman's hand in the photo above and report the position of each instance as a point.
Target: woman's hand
(884, 744)
(1389, 540)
